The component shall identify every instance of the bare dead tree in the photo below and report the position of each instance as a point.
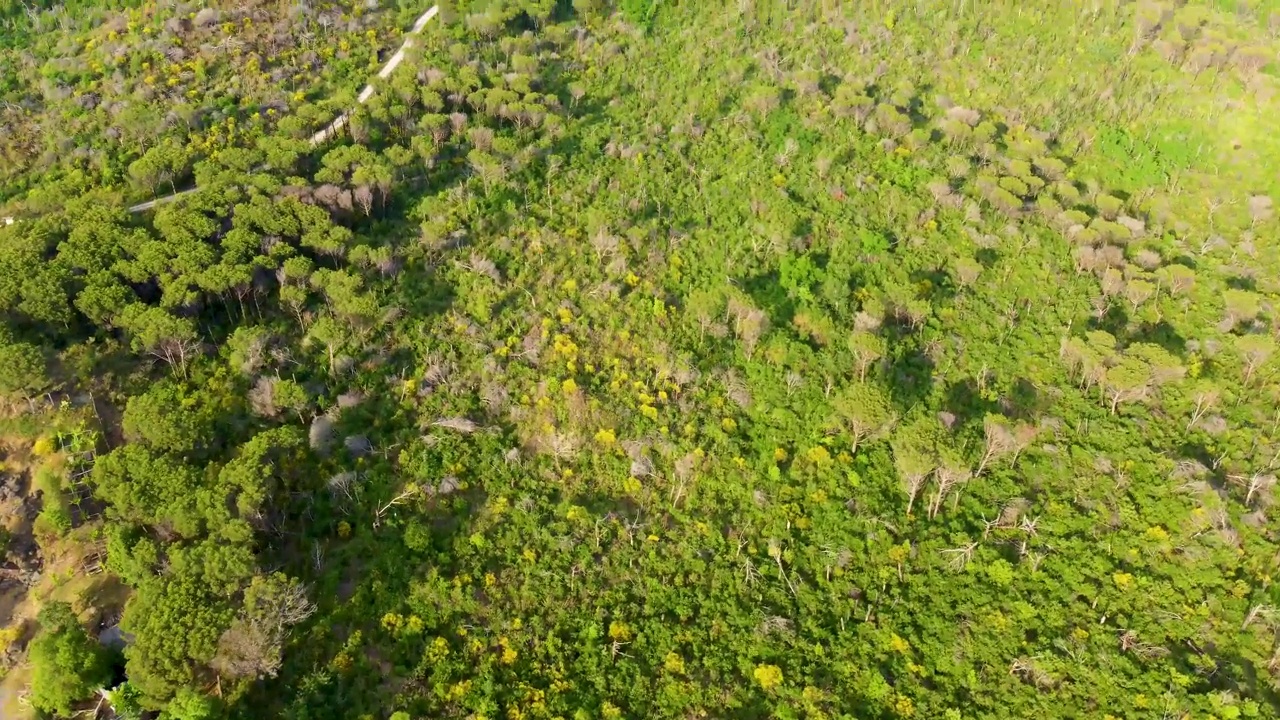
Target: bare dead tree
(961, 556)
(683, 475)
(1256, 484)
(736, 390)
(913, 483)
(1206, 399)
(947, 478)
(1027, 669)
(1259, 613)
(775, 552)
(460, 424)
(342, 484)
(363, 196)
(251, 647)
(749, 323)
(999, 442)
(405, 495)
(1130, 642)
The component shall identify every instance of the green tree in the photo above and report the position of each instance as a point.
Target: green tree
(865, 412)
(156, 490)
(167, 420)
(867, 349)
(261, 468)
(188, 704)
(915, 454)
(1255, 351)
(156, 332)
(331, 334)
(22, 366)
(1126, 381)
(175, 622)
(247, 349)
(103, 298)
(131, 554)
(166, 162)
(222, 562)
(67, 665)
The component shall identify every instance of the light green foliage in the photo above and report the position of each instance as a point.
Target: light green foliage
(1000, 572)
(190, 705)
(55, 511)
(67, 665)
(666, 360)
(864, 411)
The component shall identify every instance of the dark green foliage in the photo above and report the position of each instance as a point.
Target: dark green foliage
(175, 623)
(22, 367)
(165, 421)
(143, 487)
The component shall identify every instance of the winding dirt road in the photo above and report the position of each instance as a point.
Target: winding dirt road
(339, 122)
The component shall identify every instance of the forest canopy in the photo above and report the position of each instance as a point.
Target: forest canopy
(639, 359)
